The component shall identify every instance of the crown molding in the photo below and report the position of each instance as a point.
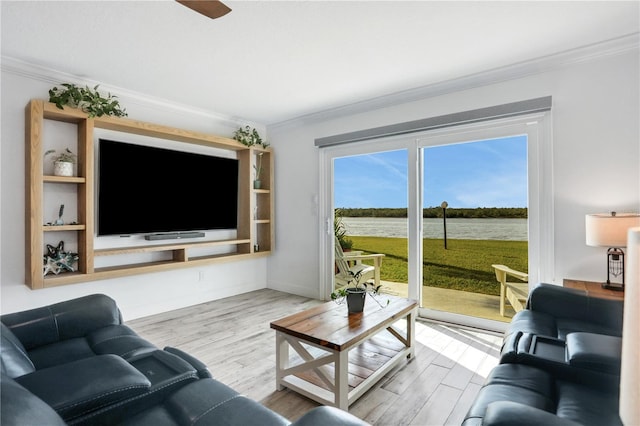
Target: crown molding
(593, 52)
(55, 77)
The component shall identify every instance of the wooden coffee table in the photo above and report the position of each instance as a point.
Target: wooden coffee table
(338, 357)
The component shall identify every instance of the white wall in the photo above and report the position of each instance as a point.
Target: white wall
(138, 295)
(596, 152)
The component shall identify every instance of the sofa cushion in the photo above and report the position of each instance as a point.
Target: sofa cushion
(77, 388)
(60, 353)
(118, 340)
(540, 390)
(517, 383)
(13, 356)
(207, 402)
(587, 405)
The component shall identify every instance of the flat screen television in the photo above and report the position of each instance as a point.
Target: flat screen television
(143, 189)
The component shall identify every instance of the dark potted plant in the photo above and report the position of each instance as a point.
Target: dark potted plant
(355, 296)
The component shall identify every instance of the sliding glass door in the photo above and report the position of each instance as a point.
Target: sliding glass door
(493, 177)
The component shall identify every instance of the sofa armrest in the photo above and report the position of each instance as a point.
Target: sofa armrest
(325, 415)
(62, 321)
(79, 387)
(200, 367)
(507, 413)
(563, 302)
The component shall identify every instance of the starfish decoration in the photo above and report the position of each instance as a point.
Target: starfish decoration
(57, 260)
(54, 252)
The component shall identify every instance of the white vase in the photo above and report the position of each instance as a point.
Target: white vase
(62, 168)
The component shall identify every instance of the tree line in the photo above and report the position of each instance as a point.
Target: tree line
(436, 212)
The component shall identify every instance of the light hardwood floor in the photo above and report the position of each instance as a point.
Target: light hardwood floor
(233, 338)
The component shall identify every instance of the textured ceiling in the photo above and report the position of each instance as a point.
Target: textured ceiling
(271, 61)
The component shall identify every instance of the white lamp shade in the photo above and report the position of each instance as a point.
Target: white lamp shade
(630, 368)
(606, 230)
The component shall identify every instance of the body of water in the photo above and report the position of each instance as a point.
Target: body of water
(461, 229)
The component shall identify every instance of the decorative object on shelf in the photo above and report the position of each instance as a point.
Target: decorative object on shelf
(257, 183)
(249, 137)
(256, 247)
(610, 230)
(59, 221)
(355, 296)
(63, 162)
(57, 260)
(87, 99)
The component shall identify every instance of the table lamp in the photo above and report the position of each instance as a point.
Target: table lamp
(610, 230)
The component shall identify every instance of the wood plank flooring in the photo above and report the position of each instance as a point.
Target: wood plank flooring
(232, 337)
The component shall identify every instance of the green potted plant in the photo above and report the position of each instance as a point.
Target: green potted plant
(355, 296)
(62, 162)
(87, 99)
(249, 137)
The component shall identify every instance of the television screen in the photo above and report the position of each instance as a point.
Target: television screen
(144, 189)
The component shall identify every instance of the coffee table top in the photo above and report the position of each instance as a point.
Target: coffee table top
(329, 325)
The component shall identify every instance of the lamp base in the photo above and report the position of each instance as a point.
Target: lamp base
(613, 286)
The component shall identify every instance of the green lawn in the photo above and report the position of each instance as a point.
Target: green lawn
(465, 265)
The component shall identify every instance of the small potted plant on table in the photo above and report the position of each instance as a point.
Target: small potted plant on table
(355, 296)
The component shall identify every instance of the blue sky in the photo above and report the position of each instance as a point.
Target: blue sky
(490, 173)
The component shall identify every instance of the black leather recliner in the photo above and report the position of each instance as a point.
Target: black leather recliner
(559, 364)
(75, 363)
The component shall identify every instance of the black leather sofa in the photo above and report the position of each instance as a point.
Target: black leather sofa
(76, 363)
(559, 364)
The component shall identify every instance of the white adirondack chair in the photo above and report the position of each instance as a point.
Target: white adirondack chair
(516, 293)
(350, 263)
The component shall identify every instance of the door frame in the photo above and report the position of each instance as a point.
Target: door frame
(536, 126)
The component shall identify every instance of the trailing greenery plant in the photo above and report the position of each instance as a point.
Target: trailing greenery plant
(87, 99)
(340, 231)
(249, 137)
(66, 156)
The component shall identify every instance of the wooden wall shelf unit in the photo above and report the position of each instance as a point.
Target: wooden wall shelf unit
(255, 206)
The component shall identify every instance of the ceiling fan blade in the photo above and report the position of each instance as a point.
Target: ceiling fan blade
(210, 8)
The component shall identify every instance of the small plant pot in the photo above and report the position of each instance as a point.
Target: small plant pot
(257, 184)
(62, 168)
(355, 300)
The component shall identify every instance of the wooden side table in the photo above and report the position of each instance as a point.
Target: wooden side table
(593, 289)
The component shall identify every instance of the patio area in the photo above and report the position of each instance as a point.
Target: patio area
(455, 301)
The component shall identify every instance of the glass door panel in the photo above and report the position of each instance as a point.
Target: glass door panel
(475, 216)
(370, 210)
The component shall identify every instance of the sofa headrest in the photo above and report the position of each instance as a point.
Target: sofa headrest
(62, 321)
